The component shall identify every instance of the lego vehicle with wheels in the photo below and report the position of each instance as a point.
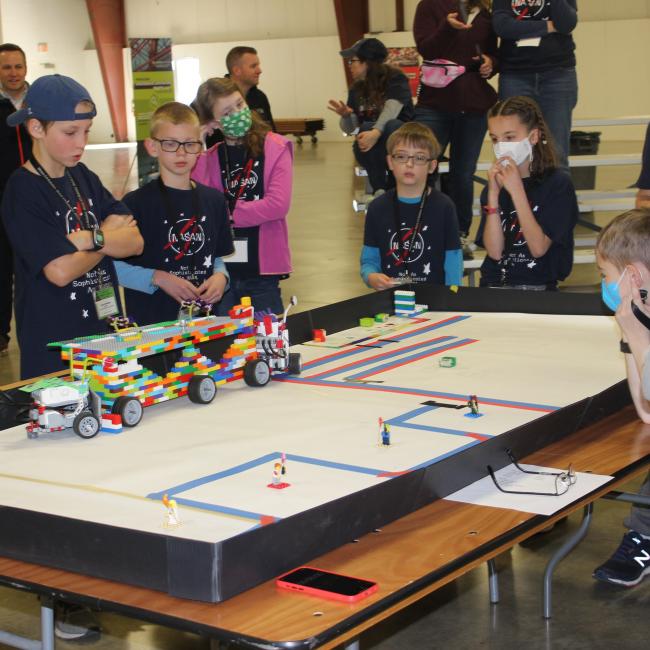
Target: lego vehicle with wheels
(60, 404)
(272, 342)
(116, 376)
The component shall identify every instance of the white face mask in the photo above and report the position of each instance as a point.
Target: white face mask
(519, 151)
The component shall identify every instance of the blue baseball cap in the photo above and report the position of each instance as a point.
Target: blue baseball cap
(53, 98)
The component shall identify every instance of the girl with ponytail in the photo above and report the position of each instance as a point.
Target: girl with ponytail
(529, 208)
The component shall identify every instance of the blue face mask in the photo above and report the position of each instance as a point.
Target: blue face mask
(610, 294)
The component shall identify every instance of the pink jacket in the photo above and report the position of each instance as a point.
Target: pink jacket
(270, 212)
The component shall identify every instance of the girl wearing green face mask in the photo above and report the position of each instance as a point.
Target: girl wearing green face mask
(253, 168)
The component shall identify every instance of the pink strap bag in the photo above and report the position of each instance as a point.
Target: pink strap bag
(439, 73)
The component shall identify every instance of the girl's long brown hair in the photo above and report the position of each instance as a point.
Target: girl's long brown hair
(530, 114)
(216, 88)
(372, 89)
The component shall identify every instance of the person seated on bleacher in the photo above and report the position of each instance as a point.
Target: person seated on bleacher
(643, 184)
(623, 256)
(379, 102)
(529, 208)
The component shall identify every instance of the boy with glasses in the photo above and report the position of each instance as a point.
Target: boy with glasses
(411, 233)
(184, 225)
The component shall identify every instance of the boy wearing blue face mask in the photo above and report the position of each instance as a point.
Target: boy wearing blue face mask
(623, 256)
(529, 206)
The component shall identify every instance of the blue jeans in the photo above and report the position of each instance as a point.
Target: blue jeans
(556, 92)
(464, 133)
(264, 292)
(374, 160)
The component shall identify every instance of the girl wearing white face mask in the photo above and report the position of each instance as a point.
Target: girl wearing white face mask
(529, 208)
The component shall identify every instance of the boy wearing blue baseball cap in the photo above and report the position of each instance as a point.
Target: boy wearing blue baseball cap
(64, 226)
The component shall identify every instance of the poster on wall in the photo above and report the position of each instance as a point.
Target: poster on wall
(153, 85)
(407, 60)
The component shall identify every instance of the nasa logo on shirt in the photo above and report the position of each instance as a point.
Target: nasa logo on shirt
(238, 177)
(186, 237)
(527, 8)
(399, 253)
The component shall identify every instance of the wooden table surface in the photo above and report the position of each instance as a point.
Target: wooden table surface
(409, 558)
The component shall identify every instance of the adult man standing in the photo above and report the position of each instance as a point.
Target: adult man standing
(15, 147)
(244, 69)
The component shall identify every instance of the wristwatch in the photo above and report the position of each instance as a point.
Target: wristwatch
(98, 240)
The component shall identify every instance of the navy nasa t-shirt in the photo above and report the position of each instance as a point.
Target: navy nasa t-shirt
(436, 234)
(553, 202)
(183, 234)
(37, 222)
(246, 183)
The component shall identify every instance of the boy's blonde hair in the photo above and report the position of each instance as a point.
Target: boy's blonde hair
(414, 134)
(172, 113)
(626, 239)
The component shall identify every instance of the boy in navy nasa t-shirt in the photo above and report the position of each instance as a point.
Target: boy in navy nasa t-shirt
(64, 227)
(184, 225)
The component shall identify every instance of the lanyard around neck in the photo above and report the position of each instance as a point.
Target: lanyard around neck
(405, 254)
(242, 181)
(81, 209)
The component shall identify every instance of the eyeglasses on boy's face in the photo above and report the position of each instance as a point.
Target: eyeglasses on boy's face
(418, 159)
(354, 59)
(172, 146)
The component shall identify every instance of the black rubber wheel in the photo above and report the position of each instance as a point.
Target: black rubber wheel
(201, 389)
(129, 409)
(257, 372)
(86, 425)
(295, 363)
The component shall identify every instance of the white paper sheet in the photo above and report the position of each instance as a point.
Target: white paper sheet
(485, 493)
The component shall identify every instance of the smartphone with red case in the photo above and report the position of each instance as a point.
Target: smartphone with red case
(326, 584)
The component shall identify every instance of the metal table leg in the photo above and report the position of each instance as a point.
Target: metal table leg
(560, 554)
(47, 632)
(493, 581)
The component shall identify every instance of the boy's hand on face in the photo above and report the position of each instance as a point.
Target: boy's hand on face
(212, 289)
(632, 329)
(379, 281)
(117, 221)
(178, 288)
(368, 139)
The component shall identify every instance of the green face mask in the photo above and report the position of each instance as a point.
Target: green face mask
(236, 125)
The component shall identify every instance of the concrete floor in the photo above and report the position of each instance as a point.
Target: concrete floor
(326, 239)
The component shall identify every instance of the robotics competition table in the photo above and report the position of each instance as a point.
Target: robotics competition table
(538, 377)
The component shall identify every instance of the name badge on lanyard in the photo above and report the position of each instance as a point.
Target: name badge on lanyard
(105, 301)
(240, 256)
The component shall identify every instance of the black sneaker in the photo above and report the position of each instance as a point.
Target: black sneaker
(75, 623)
(629, 564)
